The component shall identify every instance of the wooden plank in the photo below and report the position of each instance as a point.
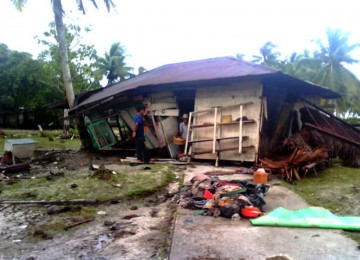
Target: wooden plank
(214, 134)
(128, 116)
(166, 112)
(228, 100)
(217, 139)
(170, 128)
(249, 121)
(169, 99)
(188, 134)
(160, 106)
(223, 150)
(240, 128)
(161, 94)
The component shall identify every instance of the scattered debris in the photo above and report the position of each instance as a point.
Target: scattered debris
(78, 221)
(109, 223)
(219, 172)
(123, 233)
(41, 234)
(101, 241)
(55, 175)
(7, 158)
(131, 216)
(154, 212)
(102, 174)
(134, 207)
(73, 186)
(296, 157)
(15, 168)
(48, 202)
(54, 209)
(225, 198)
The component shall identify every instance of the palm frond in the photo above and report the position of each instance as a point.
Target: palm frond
(19, 4)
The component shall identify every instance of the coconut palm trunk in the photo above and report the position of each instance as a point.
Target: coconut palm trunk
(64, 60)
(65, 69)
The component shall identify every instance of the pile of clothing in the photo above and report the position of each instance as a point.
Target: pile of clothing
(229, 199)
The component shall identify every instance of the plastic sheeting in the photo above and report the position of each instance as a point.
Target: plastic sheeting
(307, 217)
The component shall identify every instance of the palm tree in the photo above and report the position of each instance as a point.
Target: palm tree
(64, 60)
(267, 55)
(60, 30)
(113, 66)
(302, 66)
(332, 73)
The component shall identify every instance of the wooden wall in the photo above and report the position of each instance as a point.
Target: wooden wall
(223, 96)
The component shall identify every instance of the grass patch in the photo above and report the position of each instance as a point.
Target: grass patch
(135, 183)
(45, 139)
(56, 224)
(336, 188)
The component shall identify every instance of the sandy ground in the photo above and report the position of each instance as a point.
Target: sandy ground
(199, 237)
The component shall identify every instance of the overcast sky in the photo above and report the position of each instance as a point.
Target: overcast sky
(158, 32)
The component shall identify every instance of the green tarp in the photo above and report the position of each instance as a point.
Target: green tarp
(308, 217)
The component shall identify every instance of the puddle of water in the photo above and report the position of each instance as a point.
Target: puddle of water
(102, 241)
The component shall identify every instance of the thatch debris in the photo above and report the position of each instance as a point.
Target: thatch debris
(102, 174)
(295, 156)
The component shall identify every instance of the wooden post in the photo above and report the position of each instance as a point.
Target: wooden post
(215, 126)
(240, 129)
(188, 134)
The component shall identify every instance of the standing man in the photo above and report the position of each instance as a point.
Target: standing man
(141, 150)
(183, 129)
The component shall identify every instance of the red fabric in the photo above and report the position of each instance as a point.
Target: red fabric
(208, 195)
(251, 212)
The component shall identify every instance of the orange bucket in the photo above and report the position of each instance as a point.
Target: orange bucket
(260, 176)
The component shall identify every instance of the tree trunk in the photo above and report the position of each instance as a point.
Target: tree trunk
(65, 68)
(64, 60)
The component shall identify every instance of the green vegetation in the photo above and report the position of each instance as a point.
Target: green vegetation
(325, 66)
(46, 140)
(57, 224)
(336, 188)
(120, 186)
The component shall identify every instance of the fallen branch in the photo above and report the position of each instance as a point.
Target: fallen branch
(79, 222)
(44, 202)
(15, 168)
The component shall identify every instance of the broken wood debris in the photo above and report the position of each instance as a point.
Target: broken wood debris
(48, 202)
(295, 156)
(15, 168)
(78, 221)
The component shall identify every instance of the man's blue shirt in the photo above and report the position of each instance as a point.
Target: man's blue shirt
(140, 121)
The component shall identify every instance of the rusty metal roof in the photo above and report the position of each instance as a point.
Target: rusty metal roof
(200, 70)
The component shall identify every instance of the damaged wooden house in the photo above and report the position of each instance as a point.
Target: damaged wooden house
(238, 111)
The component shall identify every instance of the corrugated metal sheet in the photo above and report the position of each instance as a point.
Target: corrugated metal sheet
(209, 69)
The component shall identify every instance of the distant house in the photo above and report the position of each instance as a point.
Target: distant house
(239, 110)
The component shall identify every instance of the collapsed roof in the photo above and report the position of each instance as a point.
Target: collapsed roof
(201, 71)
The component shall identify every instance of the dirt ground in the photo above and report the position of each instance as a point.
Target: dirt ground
(130, 229)
(142, 228)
